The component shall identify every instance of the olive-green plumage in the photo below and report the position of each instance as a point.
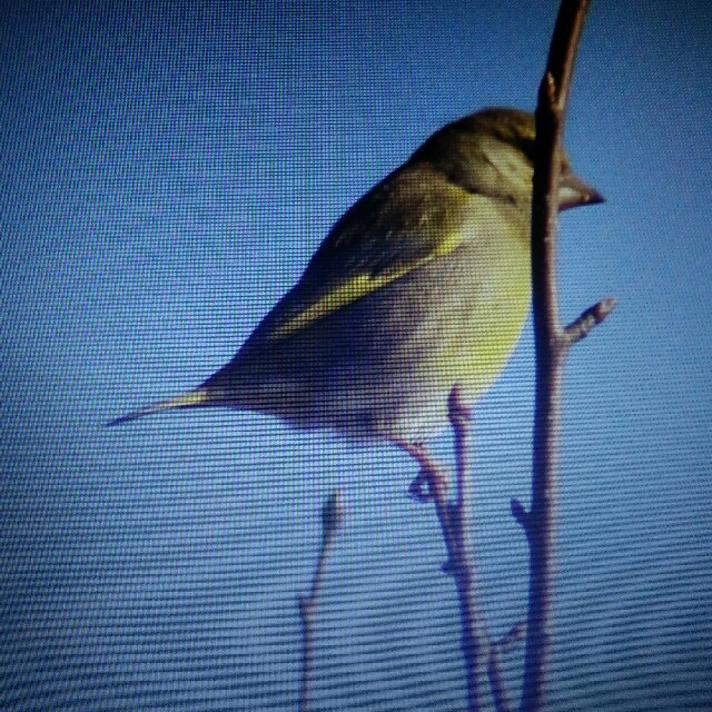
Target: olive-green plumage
(422, 284)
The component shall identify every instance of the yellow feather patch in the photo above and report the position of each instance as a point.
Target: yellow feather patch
(356, 287)
(339, 297)
(188, 400)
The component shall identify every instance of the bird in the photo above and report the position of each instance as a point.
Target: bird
(421, 286)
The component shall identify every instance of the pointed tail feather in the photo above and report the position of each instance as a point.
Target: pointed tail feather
(191, 399)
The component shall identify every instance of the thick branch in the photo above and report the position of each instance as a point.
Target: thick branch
(550, 347)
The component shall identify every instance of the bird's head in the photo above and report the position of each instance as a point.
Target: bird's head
(492, 153)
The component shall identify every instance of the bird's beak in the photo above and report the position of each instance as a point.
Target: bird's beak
(574, 192)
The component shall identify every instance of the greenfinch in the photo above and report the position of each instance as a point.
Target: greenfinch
(423, 284)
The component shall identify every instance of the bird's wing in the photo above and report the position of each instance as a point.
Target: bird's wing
(410, 218)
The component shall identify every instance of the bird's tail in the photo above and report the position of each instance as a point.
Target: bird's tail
(192, 399)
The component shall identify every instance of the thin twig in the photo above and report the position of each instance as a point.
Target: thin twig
(455, 522)
(494, 667)
(332, 516)
(475, 641)
(496, 680)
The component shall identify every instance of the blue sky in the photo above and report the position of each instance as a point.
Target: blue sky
(168, 171)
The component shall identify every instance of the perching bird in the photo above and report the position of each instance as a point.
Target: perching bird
(422, 284)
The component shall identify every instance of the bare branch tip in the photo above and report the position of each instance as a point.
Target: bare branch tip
(419, 488)
(514, 636)
(605, 307)
(332, 513)
(458, 411)
(519, 513)
(582, 326)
